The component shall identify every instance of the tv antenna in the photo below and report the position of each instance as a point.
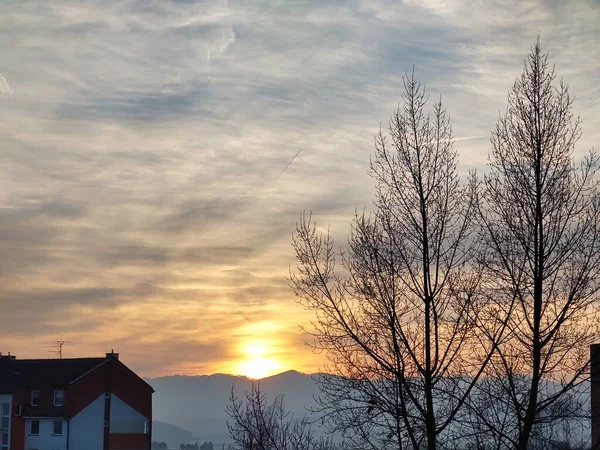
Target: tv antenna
(57, 347)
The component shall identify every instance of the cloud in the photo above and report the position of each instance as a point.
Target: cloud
(139, 202)
(4, 87)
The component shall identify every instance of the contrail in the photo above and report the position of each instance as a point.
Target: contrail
(288, 164)
(466, 138)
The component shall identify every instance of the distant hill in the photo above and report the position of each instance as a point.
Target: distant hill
(171, 434)
(197, 403)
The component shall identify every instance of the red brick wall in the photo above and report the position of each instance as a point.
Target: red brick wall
(128, 442)
(112, 376)
(85, 390)
(45, 398)
(131, 389)
(136, 393)
(17, 426)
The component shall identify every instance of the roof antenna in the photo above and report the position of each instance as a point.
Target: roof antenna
(58, 346)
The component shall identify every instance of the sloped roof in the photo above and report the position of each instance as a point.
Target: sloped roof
(17, 373)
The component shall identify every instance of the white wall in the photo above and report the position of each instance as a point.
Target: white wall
(45, 440)
(7, 399)
(125, 419)
(87, 427)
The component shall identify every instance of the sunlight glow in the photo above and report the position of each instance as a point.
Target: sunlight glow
(258, 364)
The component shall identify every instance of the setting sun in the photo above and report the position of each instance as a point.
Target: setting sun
(258, 364)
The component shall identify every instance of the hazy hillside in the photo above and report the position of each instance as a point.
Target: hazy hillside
(198, 403)
(171, 434)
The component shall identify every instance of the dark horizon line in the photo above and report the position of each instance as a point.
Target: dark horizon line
(233, 375)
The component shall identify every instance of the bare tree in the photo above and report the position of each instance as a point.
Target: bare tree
(257, 424)
(396, 312)
(540, 216)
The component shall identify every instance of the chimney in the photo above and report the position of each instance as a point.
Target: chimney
(112, 354)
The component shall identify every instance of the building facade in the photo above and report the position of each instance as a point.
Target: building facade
(595, 394)
(73, 404)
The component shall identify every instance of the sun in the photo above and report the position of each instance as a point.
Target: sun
(258, 368)
(258, 364)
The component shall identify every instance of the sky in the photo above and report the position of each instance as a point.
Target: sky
(143, 207)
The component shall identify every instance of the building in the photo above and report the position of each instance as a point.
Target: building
(595, 393)
(73, 404)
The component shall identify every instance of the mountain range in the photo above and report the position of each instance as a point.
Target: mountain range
(187, 409)
(192, 408)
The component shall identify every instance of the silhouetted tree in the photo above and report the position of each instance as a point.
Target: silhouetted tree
(189, 446)
(397, 313)
(540, 217)
(256, 424)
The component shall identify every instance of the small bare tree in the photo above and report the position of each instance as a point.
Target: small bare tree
(396, 312)
(540, 216)
(257, 424)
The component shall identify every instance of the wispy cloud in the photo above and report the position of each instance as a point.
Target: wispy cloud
(137, 202)
(4, 87)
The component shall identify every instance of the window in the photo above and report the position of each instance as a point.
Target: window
(3, 441)
(57, 428)
(59, 397)
(4, 416)
(34, 428)
(35, 396)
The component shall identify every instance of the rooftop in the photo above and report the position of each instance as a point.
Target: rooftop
(17, 373)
